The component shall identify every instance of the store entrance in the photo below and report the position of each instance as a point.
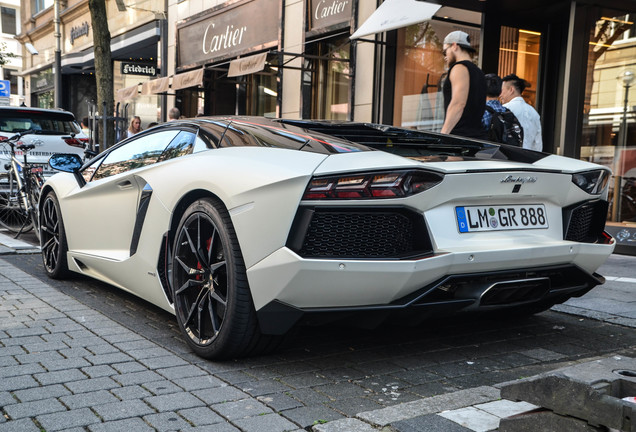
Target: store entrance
(519, 54)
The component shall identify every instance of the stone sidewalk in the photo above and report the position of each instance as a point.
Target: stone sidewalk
(66, 366)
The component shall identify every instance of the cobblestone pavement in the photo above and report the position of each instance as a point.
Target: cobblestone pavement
(81, 355)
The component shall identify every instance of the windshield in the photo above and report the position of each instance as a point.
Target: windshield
(38, 122)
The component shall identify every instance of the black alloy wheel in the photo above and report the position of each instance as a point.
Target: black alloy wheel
(212, 300)
(53, 238)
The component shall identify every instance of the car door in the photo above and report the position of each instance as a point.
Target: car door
(106, 209)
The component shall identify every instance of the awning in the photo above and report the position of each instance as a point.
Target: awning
(247, 65)
(127, 93)
(394, 14)
(187, 79)
(159, 85)
(139, 42)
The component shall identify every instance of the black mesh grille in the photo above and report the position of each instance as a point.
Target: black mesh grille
(586, 221)
(339, 233)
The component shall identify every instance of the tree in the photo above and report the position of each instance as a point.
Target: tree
(5, 56)
(103, 66)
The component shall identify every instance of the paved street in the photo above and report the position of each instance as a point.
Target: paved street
(80, 355)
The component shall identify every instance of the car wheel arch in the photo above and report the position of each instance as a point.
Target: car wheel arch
(165, 252)
(44, 192)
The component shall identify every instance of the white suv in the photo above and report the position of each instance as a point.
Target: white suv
(53, 131)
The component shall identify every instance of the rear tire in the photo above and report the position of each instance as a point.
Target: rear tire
(53, 238)
(212, 298)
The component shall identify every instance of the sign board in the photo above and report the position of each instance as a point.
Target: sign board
(145, 69)
(5, 88)
(251, 25)
(326, 13)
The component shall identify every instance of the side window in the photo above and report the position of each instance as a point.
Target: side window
(138, 153)
(180, 146)
(88, 172)
(200, 145)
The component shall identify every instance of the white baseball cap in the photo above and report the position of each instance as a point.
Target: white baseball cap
(460, 38)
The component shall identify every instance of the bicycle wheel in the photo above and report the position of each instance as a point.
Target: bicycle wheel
(35, 188)
(13, 215)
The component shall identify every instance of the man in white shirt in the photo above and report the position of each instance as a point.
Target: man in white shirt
(511, 91)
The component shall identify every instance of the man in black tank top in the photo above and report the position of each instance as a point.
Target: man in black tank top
(464, 89)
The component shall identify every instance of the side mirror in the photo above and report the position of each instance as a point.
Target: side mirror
(68, 162)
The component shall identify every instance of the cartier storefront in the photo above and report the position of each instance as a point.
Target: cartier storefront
(231, 45)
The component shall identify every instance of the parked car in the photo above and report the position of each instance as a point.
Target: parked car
(244, 227)
(52, 131)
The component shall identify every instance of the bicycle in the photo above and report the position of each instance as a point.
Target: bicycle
(20, 194)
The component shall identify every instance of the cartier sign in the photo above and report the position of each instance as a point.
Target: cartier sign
(325, 13)
(228, 32)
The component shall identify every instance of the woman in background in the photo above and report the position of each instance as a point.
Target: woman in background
(135, 126)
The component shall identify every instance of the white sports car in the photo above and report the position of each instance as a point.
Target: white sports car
(244, 227)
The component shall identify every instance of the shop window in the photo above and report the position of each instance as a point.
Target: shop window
(609, 123)
(45, 99)
(8, 16)
(330, 79)
(262, 94)
(12, 76)
(420, 70)
(519, 54)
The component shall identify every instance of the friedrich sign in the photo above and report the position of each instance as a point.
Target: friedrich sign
(230, 32)
(145, 69)
(80, 30)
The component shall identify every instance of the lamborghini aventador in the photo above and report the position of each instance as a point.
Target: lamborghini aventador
(245, 227)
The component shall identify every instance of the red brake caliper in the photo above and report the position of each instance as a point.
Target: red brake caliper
(199, 266)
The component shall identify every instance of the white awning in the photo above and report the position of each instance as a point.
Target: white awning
(192, 78)
(247, 65)
(127, 93)
(394, 14)
(159, 85)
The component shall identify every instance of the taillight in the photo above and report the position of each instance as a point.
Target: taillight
(76, 142)
(390, 184)
(592, 182)
(3, 138)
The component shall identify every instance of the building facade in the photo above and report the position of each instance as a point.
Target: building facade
(135, 46)
(295, 59)
(9, 27)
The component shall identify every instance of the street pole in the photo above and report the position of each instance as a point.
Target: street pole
(58, 55)
(164, 58)
(628, 78)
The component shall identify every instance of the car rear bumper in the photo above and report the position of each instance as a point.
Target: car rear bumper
(286, 287)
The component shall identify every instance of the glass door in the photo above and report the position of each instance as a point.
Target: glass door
(519, 54)
(609, 123)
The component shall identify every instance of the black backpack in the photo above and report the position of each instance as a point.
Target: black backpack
(504, 127)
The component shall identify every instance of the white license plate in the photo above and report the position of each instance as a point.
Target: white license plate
(501, 218)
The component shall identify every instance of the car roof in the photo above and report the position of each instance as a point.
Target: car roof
(287, 135)
(17, 110)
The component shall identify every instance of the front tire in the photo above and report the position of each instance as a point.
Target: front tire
(212, 298)
(53, 238)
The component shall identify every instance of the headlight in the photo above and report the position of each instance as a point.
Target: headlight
(386, 184)
(592, 182)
